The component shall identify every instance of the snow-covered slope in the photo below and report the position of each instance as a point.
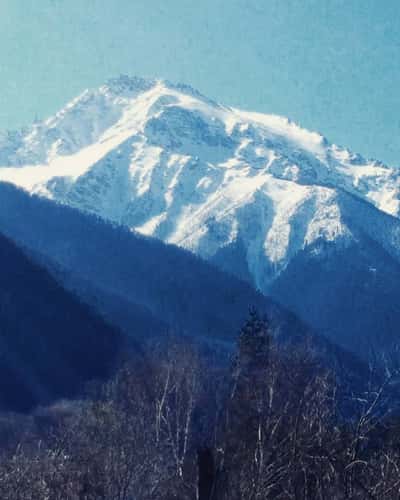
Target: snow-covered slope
(168, 162)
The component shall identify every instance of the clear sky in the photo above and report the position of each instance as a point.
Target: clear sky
(331, 65)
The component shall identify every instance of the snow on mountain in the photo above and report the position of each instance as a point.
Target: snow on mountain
(168, 162)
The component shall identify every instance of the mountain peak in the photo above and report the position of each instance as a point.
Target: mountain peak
(166, 161)
(129, 85)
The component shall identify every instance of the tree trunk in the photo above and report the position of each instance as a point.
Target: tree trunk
(206, 474)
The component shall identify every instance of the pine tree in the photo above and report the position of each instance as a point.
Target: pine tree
(241, 435)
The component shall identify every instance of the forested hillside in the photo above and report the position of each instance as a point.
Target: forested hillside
(134, 281)
(50, 343)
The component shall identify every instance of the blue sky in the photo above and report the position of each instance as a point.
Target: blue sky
(331, 65)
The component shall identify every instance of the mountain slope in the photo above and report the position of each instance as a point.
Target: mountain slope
(249, 192)
(122, 273)
(50, 343)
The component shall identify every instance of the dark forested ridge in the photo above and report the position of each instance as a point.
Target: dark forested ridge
(116, 270)
(50, 342)
(350, 294)
(347, 291)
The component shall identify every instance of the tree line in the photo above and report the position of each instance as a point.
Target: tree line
(180, 423)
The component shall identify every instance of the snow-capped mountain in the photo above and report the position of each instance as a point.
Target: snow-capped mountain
(252, 192)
